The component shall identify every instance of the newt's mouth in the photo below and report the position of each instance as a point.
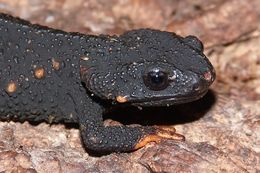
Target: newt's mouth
(199, 89)
(168, 101)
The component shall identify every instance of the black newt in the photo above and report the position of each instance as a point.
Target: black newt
(56, 76)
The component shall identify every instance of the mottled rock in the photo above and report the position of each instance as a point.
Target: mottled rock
(222, 130)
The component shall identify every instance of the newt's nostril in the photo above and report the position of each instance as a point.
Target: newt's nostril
(209, 76)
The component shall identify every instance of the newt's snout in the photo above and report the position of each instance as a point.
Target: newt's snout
(204, 81)
(209, 76)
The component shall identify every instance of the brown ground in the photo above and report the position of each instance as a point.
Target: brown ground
(222, 129)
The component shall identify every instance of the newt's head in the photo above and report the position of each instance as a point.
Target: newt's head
(149, 68)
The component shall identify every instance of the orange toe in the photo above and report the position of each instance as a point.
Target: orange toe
(161, 133)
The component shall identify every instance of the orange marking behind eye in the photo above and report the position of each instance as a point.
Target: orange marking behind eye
(121, 99)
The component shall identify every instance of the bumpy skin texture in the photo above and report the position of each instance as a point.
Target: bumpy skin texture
(51, 75)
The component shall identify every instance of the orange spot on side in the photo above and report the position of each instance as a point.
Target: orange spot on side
(39, 73)
(11, 87)
(55, 64)
(121, 99)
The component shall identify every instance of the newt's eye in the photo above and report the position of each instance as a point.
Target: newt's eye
(156, 79)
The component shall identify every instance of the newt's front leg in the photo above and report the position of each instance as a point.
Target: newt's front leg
(117, 138)
(123, 138)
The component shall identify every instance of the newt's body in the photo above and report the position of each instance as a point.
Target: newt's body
(52, 75)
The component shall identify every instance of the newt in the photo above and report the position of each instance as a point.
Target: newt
(56, 76)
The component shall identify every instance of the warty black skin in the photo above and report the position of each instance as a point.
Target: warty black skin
(80, 72)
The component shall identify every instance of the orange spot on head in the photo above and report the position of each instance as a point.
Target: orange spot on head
(39, 73)
(55, 64)
(121, 99)
(11, 87)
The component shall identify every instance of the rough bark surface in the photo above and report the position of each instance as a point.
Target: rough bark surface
(222, 129)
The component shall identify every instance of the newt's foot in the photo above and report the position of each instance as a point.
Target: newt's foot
(116, 138)
(159, 134)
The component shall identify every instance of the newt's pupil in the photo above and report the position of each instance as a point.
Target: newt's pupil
(156, 80)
